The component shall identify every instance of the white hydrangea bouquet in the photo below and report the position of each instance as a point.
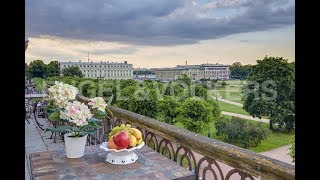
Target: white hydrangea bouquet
(79, 119)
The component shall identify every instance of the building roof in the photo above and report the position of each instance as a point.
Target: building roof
(93, 63)
(214, 65)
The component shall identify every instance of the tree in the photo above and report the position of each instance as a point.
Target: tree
(215, 109)
(53, 69)
(223, 84)
(241, 131)
(125, 96)
(270, 91)
(168, 110)
(144, 102)
(240, 72)
(195, 114)
(184, 78)
(200, 91)
(73, 71)
(37, 69)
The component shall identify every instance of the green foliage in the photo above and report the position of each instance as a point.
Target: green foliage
(223, 84)
(53, 69)
(73, 71)
(126, 94)
(240, 72)
(195, 114)
(37, 68)
(93, 123)
(144, 102)
(215, 108)
(292, 149)
(184, 78)
(168, 110)
(272, 77)
(200, 91)
(40, 83)
(241, 131)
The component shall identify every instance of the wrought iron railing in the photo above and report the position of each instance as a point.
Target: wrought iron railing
(199, 153)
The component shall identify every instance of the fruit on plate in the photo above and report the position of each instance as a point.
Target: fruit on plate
(111, 144)
(124, 137)
(133, 140)
(137, 133)
(121, 139)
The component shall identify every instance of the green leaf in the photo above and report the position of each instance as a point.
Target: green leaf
(36, 99)
(59, 129)
(40, 83)
(94, 120)
(55, 116)
(91, 131)
(50, 109)
(93, 124)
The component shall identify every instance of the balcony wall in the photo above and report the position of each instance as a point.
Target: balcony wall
(207, 158)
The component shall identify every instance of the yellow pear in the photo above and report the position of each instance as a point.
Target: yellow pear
(133, 140)
(137, 133)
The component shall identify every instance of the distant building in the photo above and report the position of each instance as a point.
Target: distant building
(236, 64)
(105, 70)
(216, 71)
(195, 72)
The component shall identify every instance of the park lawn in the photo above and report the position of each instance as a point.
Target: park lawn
(229, 93)
(232, 108)
(236, 82)
(275, 140)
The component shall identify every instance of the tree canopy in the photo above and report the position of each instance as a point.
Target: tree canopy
(240, 72)
(73, 71)
(270, 91)
(37, 68)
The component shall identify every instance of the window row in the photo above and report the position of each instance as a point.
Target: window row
(111, 66)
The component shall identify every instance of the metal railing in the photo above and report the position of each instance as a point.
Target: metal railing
(199, 153)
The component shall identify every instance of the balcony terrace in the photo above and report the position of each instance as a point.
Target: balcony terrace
(201, 156)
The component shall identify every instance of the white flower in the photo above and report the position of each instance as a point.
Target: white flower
(62, 93)
(99, 103)
(76, 112)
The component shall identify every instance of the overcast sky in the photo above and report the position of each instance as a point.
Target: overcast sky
(160, 33)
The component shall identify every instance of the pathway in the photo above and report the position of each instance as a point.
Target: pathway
(33, 143)
(230, 102)
(245, 117)
(280, 154)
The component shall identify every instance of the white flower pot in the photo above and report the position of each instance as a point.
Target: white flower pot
(74, 146)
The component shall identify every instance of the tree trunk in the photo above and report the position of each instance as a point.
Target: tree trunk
(271, 125)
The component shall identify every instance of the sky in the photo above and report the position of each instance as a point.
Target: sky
(154, 33)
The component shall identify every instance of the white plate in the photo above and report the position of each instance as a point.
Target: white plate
(104, 146)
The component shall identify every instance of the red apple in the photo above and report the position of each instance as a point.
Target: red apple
(121, 139)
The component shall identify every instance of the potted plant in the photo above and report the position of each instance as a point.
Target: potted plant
(78, 119)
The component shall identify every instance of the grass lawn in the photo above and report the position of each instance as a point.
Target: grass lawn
(275, 140)
(232, 108)
(229, 93)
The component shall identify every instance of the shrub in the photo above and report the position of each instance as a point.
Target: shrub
(195, 114)
(168, 110)
(292, 149)
(241, 131)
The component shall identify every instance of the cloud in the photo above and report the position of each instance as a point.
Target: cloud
(129, 50)
(145, 22)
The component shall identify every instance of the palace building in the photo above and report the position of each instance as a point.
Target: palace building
(195, 72)
(104, 70)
